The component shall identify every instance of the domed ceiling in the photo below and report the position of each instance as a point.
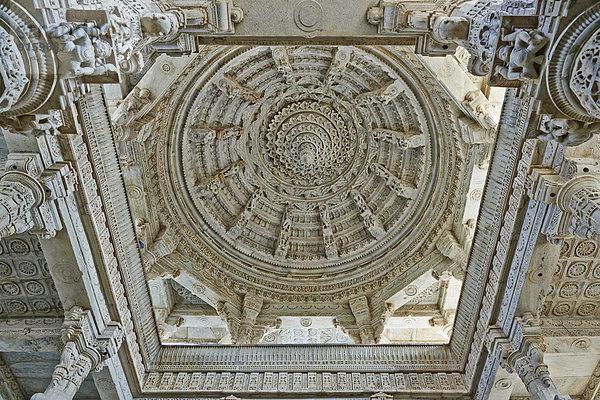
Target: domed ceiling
(306, 170)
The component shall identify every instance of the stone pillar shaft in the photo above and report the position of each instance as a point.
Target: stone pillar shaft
(523, 353)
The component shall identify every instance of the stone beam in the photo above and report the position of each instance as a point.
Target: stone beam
(9, 387)
(111, 381)
(305, 22)
(30, 335)
(503, 385)
(592, 389)
(542, 267)
(412, 290)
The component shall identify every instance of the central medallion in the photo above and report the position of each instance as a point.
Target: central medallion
(308, 144)
(305, 147)
(309, 150)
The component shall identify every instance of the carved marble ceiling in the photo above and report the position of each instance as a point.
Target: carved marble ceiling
(316, 195)
(26, 287)
(304, 170)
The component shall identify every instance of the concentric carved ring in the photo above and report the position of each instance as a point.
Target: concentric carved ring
(308, 144)
(305, 170)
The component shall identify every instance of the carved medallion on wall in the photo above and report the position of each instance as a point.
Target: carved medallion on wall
(294, 166)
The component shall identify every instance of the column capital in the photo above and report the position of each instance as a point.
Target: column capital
(85, 350)
(27, 194)
(522, 351)
(577, 210)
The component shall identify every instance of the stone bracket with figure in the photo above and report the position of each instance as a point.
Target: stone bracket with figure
(520, 52)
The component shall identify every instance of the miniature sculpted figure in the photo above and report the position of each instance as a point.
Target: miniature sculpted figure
(81, 51)
(375, 15)
(137, 99)
(451, 28)
(159, 24)
(523, 55)
(360, 201)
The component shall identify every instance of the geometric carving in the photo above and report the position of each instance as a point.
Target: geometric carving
(585, 248)
(28, 67)
(12, 71)
(26, 288)
(572, 68)
(576, 280)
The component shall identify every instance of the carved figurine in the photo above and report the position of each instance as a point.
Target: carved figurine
(324, 217)
(159, 25)
(384, 95)
(137, 99)
(234, 89)
(31, 124)
(360, 201)
(449, 29)
(81, 51)
(127, 43)
(375, 15)
(524, 56)
(286, 223)
(567, 131)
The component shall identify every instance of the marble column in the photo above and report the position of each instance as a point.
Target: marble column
(528, 364)
(85, 350)
(19, 195)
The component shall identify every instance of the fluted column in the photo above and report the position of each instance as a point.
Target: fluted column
(19, 195)
(85, 350)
